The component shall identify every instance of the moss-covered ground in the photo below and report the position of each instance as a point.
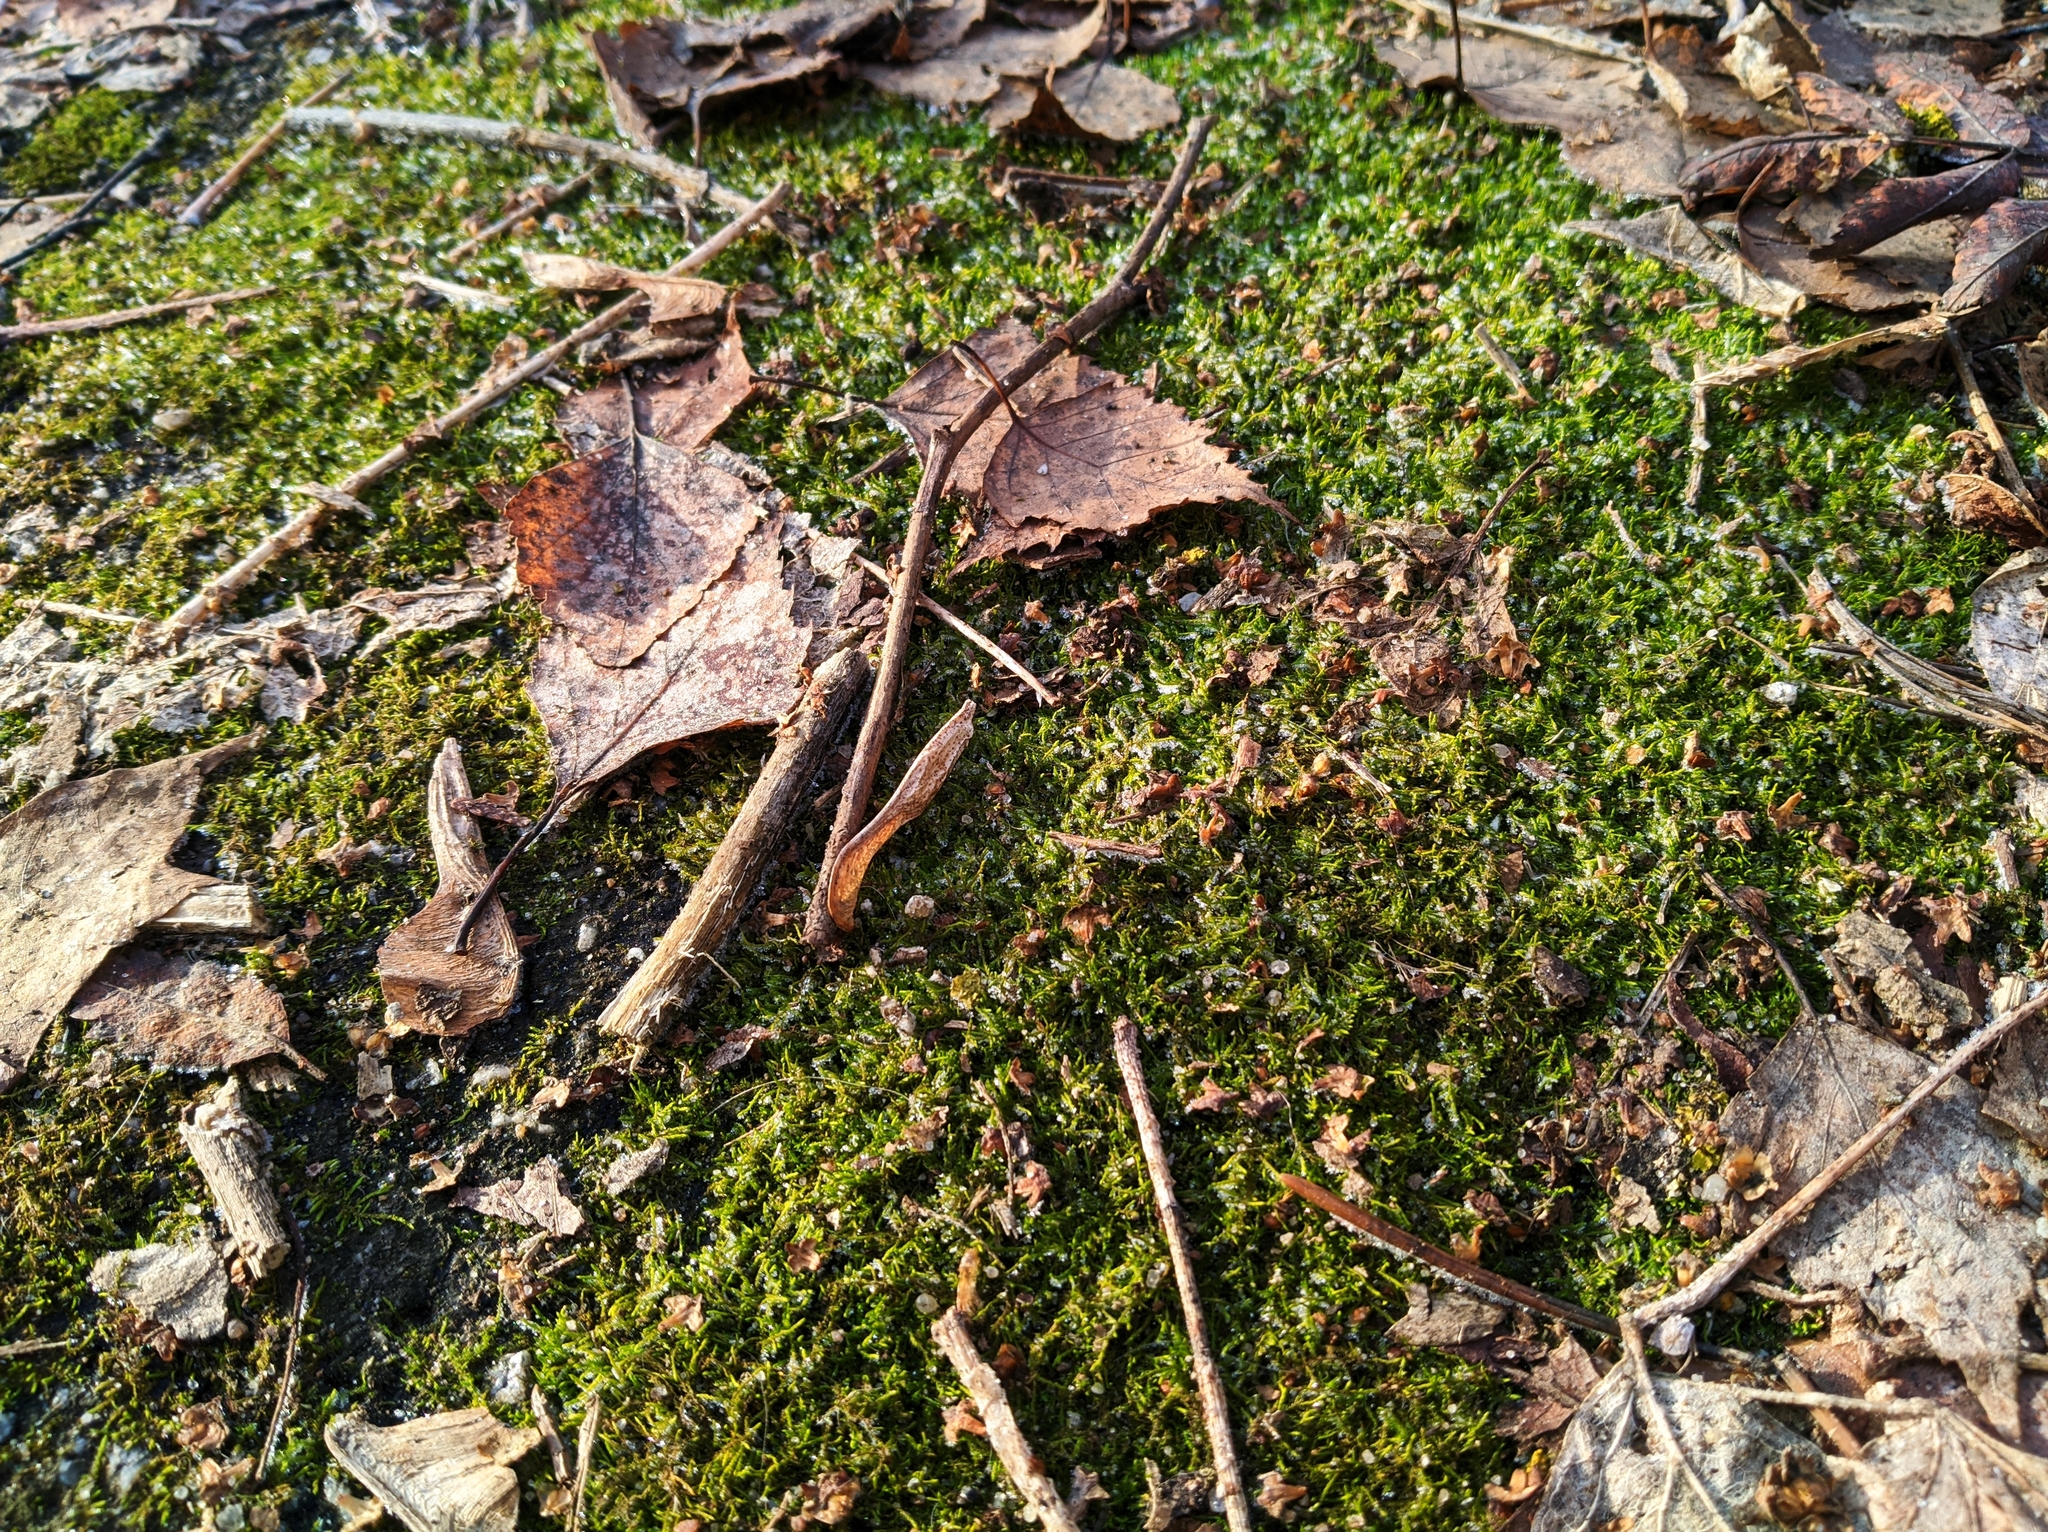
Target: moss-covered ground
(1323, 320)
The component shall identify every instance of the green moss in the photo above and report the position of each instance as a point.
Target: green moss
(1290, 326)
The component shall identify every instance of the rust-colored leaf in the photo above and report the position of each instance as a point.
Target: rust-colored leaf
(1925, 83)
(443, 993)
(1848, 109)
(1897, 204)
(619, 545)
(1995, 253)
(682, 407)
(1103, 462)
(181, 1014)
(1780, 166)
(942, 389)
(669, 298)
(921, 783)
(1978, 504)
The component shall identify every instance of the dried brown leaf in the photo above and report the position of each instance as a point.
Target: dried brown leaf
(1668, 235)
(536, 1201)
(182, 1014)
(1101, 463)
(670, 299)
(1929, 84)
(446, 1470)
(2006, 628)
(1849, 109)
(622, 544)
(1775, 168)
(93, 854)
(1900, 202)
(682, 408)
(1995, 252)
(1978, 504)
(921, 782)
(443, 993)
(973, 70)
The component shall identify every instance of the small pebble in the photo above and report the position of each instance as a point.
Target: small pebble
(1781, 693)
(237, 1330)
(927, 1304)
(586, 937)
(635, 955)
(172, 420)
(920, 907)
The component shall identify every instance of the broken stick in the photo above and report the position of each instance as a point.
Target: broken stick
(203, 204)
(722, 893)
(213, 598)
(535, 201)
(1119, 294)
(692, 184)
(1717, 1278)
(78, 324)
(228, 1146)
(1208, 1381)
(1042, 1503)
(972, 634)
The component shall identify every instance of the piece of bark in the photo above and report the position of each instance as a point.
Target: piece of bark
(218, 909)
(228, 1146)
(179, 1013)
(722, 893)
(442, 1473)
(1208, 1380)
(183, 1287)
(1042, 1502)
(444, 993)
(93, 854)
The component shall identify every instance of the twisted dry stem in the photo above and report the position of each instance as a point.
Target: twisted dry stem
(1119, 294)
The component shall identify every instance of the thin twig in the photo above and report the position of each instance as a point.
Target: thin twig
(694, 184)
(1652, 562)
(1042, 1502)
(212, 599)
(87, 613)
(586, 1444)
(1473, 1279)
(972, 634)
(1696, 476)
(535, 201)
(90, 204)
(1119, 294)
(1762, 934)
(291, 1347)
(1499, 356)
(79, 324)
(197, 209)
(1847, 1442)
(1717, 1278)
(1208, 1380)
(1987, 427)
(1660, 1423)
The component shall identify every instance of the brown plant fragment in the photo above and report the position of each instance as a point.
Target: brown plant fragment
(681, 407)
(536, 1201)
(670, 299)
(1775, 168)
(921, 782)
(443, 993)
(183, 1014)
(446, 1470)
(1995, 252)
(93, 852)
(1898, 203)
(1101, 463)
(1558, 982)
(620, 545)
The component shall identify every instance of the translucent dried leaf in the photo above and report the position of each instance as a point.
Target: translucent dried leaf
(682, 407)
(534, 1201)
(440, 1472)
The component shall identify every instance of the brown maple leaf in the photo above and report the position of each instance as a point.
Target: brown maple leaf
(1211, 1097)
(803, 1255)
(1277, 1496)
(1951, 915)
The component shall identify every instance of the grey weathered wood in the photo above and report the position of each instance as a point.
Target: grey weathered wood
(1042, 1501)
(228, 1146)
(220, 909)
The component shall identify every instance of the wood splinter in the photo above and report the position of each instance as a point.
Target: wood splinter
(228, 1146)
(1208, 1380)
(1042, 1502)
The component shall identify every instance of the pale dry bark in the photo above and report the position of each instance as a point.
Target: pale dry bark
(228, 1146)
(1043, 1503)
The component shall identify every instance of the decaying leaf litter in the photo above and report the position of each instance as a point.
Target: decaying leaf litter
(1446, 648)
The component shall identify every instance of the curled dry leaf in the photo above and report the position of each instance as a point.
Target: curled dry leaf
(1995, 253)
(803, 1255)
(441, 1471)
(183, 1014)
(829, 1500)
(443, 993)
(1978, 504)
(1928, 85)
(669, 298)
(1277, 1497)
(1211, 1097)
(681, 408)
(1774, 168)
(682, 1311)
(1088, 101)
(182, 1287)
(535, 1202)
(921, 782)
(1444, 1317)
(94, 853)
(974, 69)
(1900, 202)
(2006, 623)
